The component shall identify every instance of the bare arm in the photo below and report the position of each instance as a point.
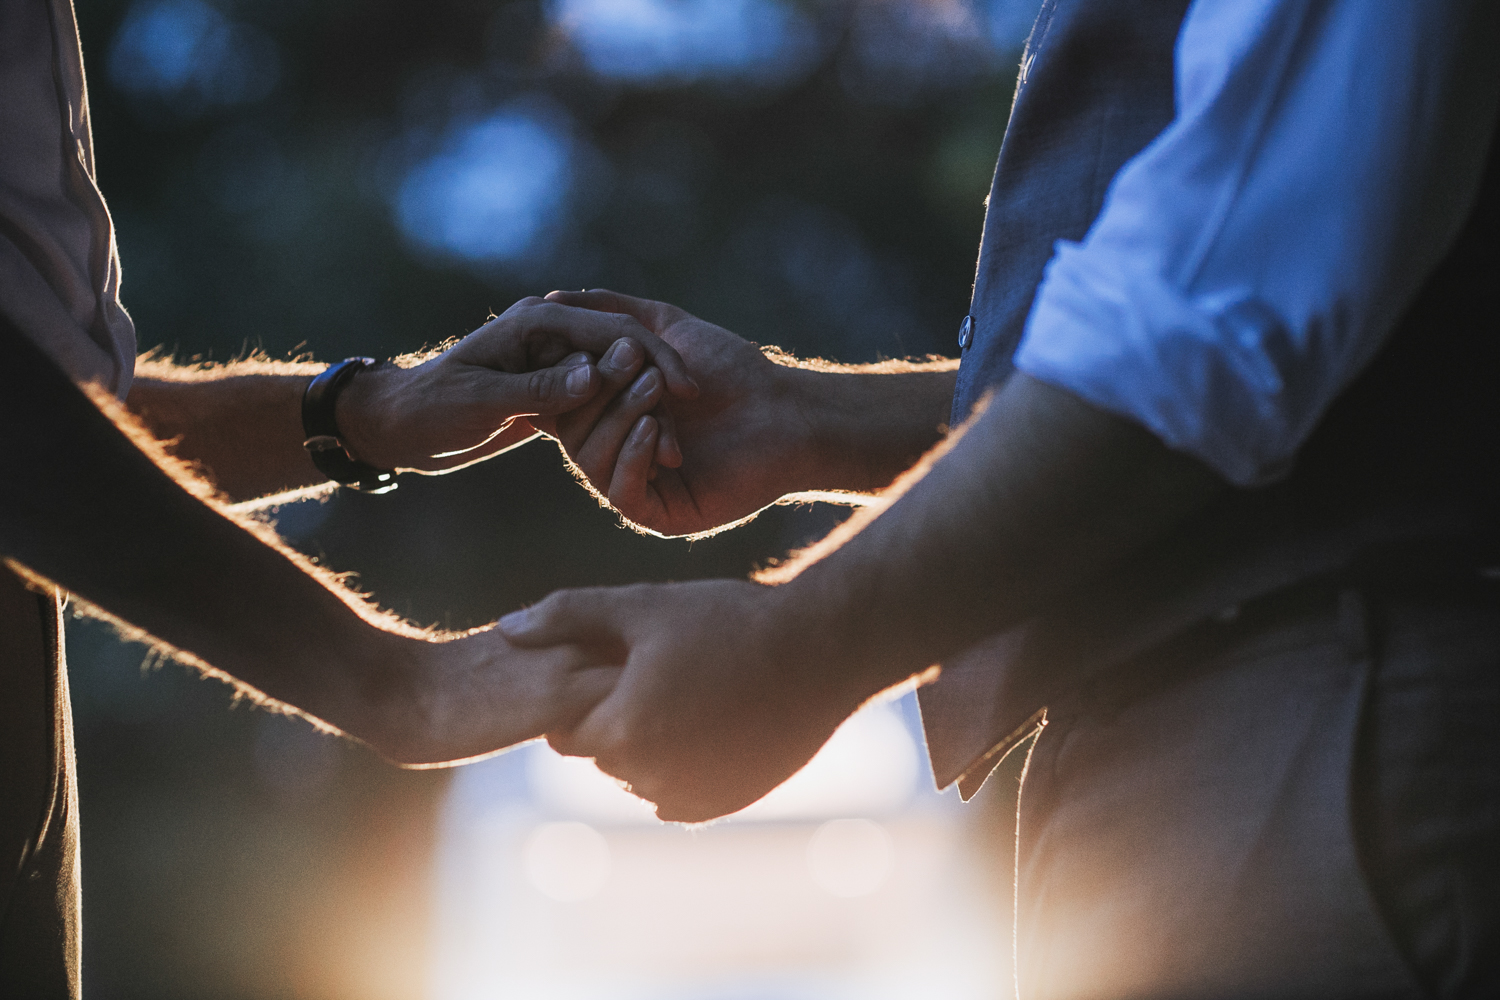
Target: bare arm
(241, 423)
(729, 687)
(764, 426)
(1041, 492)
(84, 507)
(867, 424)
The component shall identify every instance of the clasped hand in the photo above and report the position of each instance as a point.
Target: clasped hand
(722, 689)
(702, 697)
(499, 385)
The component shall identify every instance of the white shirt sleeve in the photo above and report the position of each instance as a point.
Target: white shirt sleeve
(1251, 260)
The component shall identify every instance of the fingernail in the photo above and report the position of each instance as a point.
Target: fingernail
(646, 384)
(624, 354)
(516, 621)
(642, 430)
(578, 380)
(575, 359)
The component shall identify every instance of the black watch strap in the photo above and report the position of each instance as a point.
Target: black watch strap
(324, 444)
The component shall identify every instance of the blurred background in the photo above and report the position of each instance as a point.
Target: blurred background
(371, 176)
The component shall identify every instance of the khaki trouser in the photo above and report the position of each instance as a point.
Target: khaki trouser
(1302, 800)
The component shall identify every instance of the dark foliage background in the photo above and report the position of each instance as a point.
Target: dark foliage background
(828, 201)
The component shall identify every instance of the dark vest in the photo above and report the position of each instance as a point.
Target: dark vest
(1404, 466)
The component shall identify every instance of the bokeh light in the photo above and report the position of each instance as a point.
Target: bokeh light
(567, 861)
(850, 857)
(495, 192)
(902, 48)
(869, 767)
(759, 41)
(851, 880)
(188, 51)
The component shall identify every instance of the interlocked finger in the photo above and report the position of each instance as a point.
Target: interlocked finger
(597, 455)
(632, 472)
(595, 330)
(538, 333)
(617, 369)
(668, 447)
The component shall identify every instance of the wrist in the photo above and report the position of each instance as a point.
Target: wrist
(829, 644)
(795, 395)
(826, 445)
(362, 412)
(860, 429)
(389, 699)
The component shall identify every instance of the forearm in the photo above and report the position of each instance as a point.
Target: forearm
(240, 423)
(866, 425)
(83, 507)
(728, 688)
(1040, 493)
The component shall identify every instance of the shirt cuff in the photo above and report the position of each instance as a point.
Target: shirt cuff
(1217, 377)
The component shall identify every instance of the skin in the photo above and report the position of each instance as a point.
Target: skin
(137, 534)
(728, 687)
(759, 429)
(241, 423)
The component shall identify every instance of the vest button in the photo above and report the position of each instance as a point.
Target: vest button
(966, 333)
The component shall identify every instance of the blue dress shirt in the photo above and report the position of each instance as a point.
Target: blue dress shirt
(1251, 260)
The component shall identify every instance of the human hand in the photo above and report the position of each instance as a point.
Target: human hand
(464, 405)
(444, 703)
(723, 693)
(625, 386)
(743, 442)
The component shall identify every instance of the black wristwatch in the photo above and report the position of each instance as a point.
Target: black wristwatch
(324, 444)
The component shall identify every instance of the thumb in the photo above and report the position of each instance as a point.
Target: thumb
(577, 617)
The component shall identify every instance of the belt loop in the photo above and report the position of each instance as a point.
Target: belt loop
(1354, 623)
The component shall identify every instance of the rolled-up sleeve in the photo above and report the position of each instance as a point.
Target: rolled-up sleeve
(1250, 261)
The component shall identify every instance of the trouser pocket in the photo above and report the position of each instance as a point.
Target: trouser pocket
(1189, 834)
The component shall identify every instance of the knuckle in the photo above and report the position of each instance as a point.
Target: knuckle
(541, 386)
(570, 603)
(557, 604)
(641, 593)
(550, 608)
(617, 374)
(539, 315)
